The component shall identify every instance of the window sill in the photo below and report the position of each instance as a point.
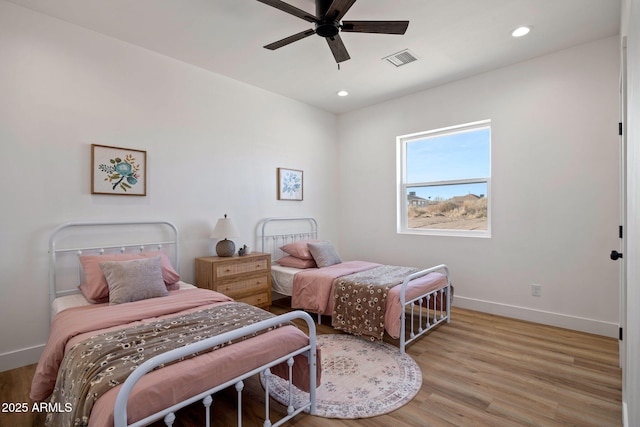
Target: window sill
(486, 234)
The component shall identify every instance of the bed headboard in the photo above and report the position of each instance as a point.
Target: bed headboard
(72, 239)
(276, 232)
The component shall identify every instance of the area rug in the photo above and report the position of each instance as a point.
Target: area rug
(360, 379)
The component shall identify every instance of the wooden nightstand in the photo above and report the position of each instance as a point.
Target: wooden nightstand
(243, 278)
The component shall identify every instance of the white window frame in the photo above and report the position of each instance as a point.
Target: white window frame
(404, 187)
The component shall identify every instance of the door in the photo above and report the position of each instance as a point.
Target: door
(618, 255)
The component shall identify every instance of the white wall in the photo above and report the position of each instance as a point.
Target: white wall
(555, 202)
(213, 146)
(631, 369)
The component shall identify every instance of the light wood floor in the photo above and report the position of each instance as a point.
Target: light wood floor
(479, 370)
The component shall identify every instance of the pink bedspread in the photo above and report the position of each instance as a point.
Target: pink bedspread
(313, 290)
(313, 287)
(171, 384)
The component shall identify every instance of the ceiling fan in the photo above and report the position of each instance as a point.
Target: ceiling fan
(328, 24)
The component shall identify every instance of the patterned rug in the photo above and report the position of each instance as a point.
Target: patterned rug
(360, 379)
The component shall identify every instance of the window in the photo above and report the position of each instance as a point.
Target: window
(444, 179)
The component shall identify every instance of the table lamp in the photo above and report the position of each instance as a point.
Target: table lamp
(225, 229)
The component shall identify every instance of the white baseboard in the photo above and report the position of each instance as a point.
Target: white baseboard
(22, 357)
(575, 323)
(625, 414)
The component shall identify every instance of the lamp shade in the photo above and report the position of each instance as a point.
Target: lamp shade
(224, 229)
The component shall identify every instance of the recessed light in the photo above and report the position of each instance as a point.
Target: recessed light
(343, 93)
(521, 31)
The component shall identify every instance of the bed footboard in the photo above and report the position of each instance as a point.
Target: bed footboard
(120, 410)
(425, 311)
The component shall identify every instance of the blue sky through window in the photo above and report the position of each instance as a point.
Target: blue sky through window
(450, 156)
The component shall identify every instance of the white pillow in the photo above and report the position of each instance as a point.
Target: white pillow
(134, 280)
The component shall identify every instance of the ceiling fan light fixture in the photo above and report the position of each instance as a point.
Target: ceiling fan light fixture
(342, 93)
(521, 31)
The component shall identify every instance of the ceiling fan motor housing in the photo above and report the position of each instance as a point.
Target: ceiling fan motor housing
(327, 28)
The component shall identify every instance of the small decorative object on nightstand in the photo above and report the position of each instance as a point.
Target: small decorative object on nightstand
(225, 229)
(243, 278)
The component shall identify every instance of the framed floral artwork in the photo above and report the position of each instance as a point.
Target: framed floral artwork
(119, 171)
(289, 184)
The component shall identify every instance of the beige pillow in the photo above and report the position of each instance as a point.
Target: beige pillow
(134, 280)
(324, 254)
(95, 287)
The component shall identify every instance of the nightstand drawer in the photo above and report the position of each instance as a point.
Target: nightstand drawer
(250, 266)
(243, 278)
(240, 287)
(259, 300)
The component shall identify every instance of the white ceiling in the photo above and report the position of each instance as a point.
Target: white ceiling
(453, 39)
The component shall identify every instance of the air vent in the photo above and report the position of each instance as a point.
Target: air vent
(401, 58)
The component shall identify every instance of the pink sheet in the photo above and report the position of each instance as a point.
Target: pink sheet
(313, 287)
(171, 384)
(313, 290)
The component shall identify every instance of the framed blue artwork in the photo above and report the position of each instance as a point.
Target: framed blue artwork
(118, 171)
(290, 184)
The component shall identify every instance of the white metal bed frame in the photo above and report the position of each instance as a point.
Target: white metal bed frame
(168, 414)
(101, 249)
(420, 320)
(272, 242)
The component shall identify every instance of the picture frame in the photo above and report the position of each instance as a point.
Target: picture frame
(118, 171)
(290, 184)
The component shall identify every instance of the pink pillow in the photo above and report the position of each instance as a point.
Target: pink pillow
(298, 249)
(96, 289)
(291, 261)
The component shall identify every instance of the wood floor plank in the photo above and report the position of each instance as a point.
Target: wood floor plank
(478, 370)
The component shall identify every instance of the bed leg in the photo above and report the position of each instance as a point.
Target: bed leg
(448, 297)
(267, 412)
(169, 419)
(290, 408)
(207, 401)
(239, 387)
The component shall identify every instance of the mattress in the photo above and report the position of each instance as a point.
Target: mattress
(282, 279)
(78, 300)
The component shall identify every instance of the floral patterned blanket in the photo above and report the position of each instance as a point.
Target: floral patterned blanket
(96, 365)
(360, 299)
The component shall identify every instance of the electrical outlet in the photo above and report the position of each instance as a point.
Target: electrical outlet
(536, 290)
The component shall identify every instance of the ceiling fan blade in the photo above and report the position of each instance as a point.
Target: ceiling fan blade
(382, 27)
(285, 41)
(292, 10)
(338, 8)
(338, 48)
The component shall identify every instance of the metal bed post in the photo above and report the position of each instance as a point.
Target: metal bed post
(404, 303)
